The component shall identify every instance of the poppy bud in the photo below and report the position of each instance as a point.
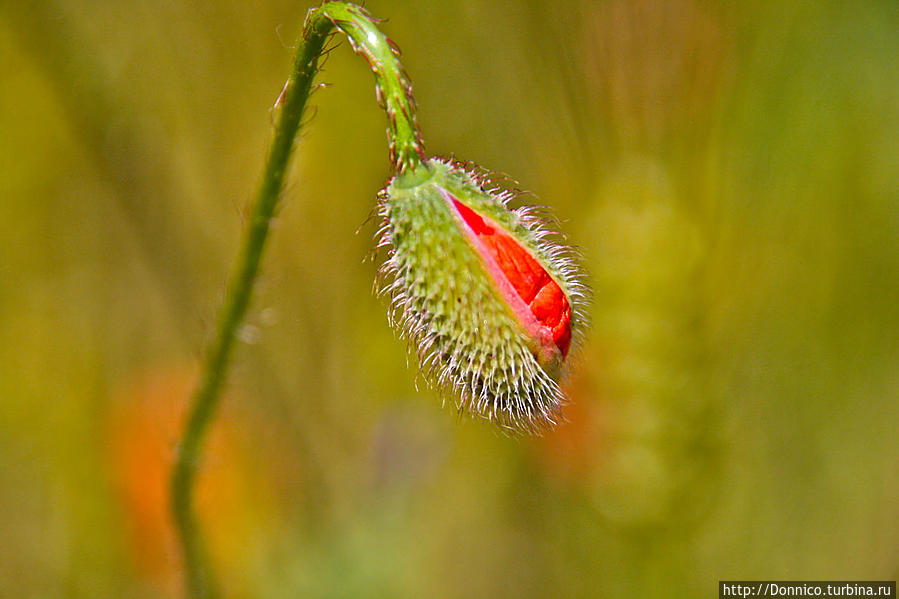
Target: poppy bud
(490, 302)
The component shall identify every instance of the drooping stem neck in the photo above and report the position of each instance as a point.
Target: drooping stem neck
(392, 86)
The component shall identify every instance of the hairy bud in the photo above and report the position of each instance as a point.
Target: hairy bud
(490, 301)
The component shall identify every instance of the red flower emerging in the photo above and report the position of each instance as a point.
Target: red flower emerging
(491, 298)
(534, 286)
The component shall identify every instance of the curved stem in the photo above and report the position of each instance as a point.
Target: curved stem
(392, 86)
(394, 95)
(206, 398)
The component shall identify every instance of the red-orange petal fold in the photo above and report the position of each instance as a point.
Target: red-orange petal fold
(530, 280)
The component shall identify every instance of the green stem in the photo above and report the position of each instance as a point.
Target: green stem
(394, 95)
(392, 86)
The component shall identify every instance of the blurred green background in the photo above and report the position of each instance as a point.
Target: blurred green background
(729, 169)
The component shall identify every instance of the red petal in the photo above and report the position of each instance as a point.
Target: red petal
(533, 284)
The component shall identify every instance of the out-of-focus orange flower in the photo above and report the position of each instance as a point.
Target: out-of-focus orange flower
(573, 450)
(144, 424)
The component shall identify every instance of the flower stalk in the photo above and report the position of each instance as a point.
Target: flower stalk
(404, 139)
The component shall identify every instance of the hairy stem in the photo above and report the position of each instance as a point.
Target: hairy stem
(392, 86)
(394, 95)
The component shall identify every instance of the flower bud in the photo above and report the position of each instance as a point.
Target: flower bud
(490, 302)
